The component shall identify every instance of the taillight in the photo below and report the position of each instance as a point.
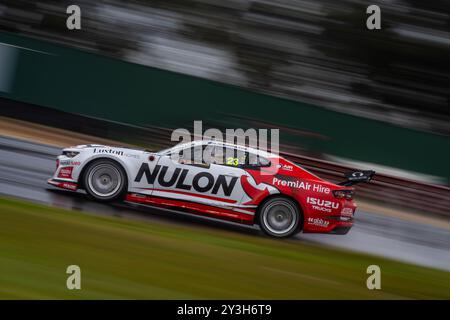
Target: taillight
(347, 194)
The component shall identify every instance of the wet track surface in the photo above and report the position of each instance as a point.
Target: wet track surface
(25, 168)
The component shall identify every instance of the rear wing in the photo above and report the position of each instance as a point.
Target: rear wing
(354, 177)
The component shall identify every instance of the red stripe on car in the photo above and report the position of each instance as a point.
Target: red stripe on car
(194, 195)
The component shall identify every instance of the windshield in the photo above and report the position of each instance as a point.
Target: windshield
(164, 151)
(173, 148)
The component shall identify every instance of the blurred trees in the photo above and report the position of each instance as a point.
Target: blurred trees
(313, 51)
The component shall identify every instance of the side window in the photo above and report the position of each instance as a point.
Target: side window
(192, 155)
(263, 162)
(255, 161)
(235, 157)
(213, 154)
(224, 156)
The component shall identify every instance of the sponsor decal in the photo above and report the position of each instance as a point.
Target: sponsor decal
(301, 185)
(255, 194)
(65, 173)
(202, 182)
(116, 152)
(347, 212)
(286, 167)
(322, 205)
(70, 186)
(130, 155)
(357, 174)
(318, 222)
(69, 163)
(65, 185)
(108, 151)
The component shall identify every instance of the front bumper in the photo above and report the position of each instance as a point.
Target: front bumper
(72, 186)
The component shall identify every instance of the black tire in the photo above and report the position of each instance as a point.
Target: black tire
(105, 180)
(280, 217)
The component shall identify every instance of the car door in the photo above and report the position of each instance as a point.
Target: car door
(189, 177)
(226, 164)
(143, 173)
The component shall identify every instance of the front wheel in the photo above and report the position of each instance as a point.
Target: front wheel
(279, 217)
(105, 180)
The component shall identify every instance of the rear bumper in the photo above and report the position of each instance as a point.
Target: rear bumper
(330, 225)
(328, 215)
(72, 186)
(341, 230)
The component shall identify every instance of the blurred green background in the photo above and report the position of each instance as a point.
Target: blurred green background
(137, 260)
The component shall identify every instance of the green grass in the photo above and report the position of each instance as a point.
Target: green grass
(140, 260)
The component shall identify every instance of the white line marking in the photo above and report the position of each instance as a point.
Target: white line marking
(24, 48)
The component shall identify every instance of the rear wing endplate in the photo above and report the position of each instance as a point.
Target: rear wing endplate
(354, 177)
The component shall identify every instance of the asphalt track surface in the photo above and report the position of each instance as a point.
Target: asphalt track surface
(25, 168)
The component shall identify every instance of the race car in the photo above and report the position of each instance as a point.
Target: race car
(214, 179)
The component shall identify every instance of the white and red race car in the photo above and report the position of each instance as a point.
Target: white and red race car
(215, 179)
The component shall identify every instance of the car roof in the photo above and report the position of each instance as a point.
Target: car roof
(191, 144)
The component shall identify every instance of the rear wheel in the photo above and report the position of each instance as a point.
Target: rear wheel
(105, 180)
(280, 217)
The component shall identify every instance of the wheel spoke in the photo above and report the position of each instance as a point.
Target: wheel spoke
(280, 217)
(104, 180)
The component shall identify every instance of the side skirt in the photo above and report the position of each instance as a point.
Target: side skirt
(233, 214)
(63, 184)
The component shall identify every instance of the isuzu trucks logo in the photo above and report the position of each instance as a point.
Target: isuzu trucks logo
(322, 205)
(202, 181)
